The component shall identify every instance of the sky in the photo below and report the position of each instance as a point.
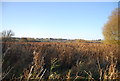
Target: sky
(70, 20)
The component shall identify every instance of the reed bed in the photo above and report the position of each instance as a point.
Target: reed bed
(60, 61)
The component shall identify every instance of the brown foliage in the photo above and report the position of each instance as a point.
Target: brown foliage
(80, 58)
(111, 30)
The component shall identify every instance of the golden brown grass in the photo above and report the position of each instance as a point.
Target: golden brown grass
(74, 61)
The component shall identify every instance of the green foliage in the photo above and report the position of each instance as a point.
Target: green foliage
(54, 72)
(23, 40)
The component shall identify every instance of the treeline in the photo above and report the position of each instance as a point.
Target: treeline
(23, 39)
(7, 36)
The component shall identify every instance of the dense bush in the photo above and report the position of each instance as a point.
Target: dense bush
(61, 61)
(15, 59)
(111, 28)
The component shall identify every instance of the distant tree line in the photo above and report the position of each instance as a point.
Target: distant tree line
(7, 36)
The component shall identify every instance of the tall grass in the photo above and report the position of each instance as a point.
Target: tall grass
(61, 61)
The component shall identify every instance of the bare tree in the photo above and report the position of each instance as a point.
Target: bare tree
(6, 35)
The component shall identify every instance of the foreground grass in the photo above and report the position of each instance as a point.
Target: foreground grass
(60, 61)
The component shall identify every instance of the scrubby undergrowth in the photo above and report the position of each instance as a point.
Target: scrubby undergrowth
(60, 61)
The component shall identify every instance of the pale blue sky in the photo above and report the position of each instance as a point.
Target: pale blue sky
(71, 20)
